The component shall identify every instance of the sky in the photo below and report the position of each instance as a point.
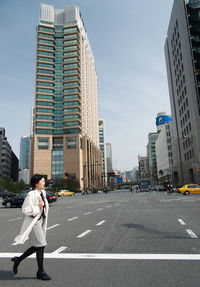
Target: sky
(127, 39)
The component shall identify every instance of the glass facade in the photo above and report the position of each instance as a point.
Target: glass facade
(58, 120)
(57, 158)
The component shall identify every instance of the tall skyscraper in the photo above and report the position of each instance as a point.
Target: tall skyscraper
(102, 145)
(109, 157)
(66, 128)
(182, 54)
(24, 158)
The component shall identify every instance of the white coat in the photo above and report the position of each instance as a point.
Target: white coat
(32, 213)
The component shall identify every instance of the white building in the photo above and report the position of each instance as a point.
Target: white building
(164, 153)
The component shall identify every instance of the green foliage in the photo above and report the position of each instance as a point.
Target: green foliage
(69, 184)
(7, 183)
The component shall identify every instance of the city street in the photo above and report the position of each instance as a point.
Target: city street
(115, 239)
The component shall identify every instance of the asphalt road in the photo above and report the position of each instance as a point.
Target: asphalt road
(115, 239)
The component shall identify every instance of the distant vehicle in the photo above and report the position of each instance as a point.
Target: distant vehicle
(144, 185)
(51, 197)
(16, 200)
(189, 189)
(65, 193)
(158, 187)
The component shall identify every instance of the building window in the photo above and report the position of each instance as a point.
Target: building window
(42, 143)
(71, 142)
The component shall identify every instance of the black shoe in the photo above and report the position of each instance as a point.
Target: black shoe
(43, 276)
(16, 263)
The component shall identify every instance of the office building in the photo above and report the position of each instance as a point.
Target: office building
(6, 155)
(14, 167)
(102, 145)
(24, 158)
(182, 55)
(66, 127)
(165, 156)
(9, 163)
(109, 157)
(143, 166)
(152, 137)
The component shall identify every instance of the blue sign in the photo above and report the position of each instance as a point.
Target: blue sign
(119, 180)
(161, 120)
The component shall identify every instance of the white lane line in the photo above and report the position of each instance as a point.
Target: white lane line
(99, 209)
(100, 223)
(73, 218)
(89, 212)
(117, 203)
(140, 256)
(108, 206)
(52, 226)
(15, 219)
(62, 248)
(191, 233)
(181, 221)
(83, 234)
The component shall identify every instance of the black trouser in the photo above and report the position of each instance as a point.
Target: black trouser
(39, 255)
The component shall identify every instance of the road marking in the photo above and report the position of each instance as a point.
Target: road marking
(59, 250)
(15, 219)
(117, 203)
(73, 218)
(83, 234)
(191, 233)
(181, 221)
(52, 226)
(89, 212)
(99, 209)
(105, 256)
(108, 206)
(100, 223)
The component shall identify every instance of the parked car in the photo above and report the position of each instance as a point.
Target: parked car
(65, 193)
(16, 200)
(189, 189)
(6, 193)
(51, 197)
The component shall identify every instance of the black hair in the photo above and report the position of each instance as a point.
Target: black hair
(35, 179)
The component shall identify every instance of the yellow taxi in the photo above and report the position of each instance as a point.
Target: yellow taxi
(65, 193)
(189, 188)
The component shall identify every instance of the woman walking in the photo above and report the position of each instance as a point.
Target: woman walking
(35, 208)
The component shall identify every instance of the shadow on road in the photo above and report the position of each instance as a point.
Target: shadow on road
(161, 234)
(8, 275)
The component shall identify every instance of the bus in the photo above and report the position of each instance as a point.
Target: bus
(144, 184)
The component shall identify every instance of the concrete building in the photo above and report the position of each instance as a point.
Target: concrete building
(102, 145)
(6, 155)
(152, 137)
(66, 127)
(109, 157)
(9, 163)
(165, 154)
(143, 167)
(182, 54)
